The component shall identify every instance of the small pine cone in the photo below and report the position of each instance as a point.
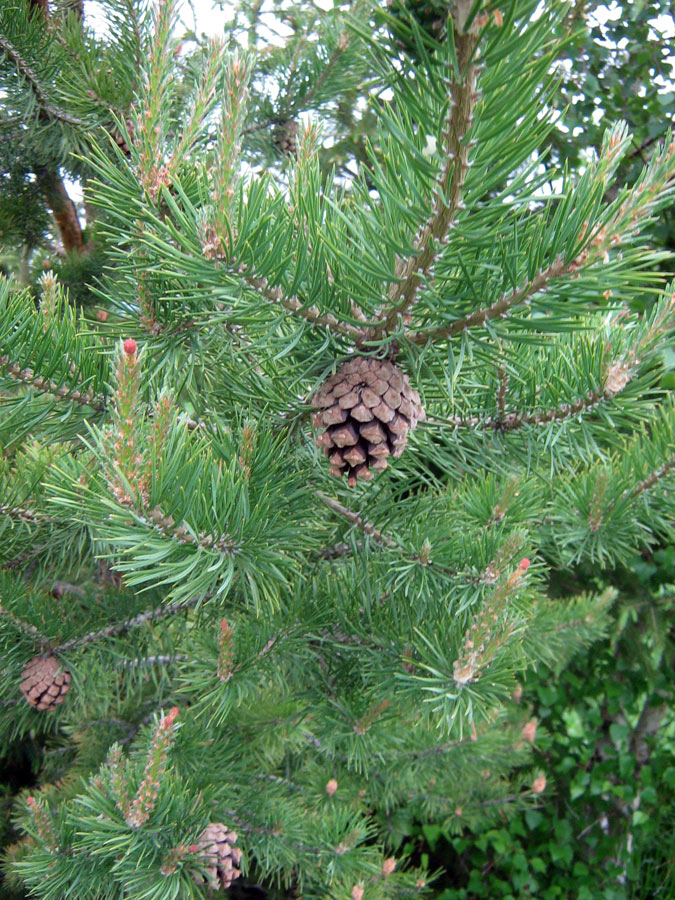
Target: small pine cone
(121, 141)
(285, 137)
(220, 857)
(45, 682)
(366, 411)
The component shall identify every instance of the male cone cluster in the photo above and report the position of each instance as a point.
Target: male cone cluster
(366, 410)
(221, 858)
(45, 682)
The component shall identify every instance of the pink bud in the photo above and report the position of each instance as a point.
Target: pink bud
(517, 693)
(31, 801)
(331, 787)
(539, 784)
(193, 848)
(529, 731)
(357, 892)
(101, 315)
(130, 346)
(388, 866)
(524, 564)
(170, 718)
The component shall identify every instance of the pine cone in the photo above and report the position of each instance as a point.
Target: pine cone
(219, 856)
(45, 682)
(366, 411)
(285, 137)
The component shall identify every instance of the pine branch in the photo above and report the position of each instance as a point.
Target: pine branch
(23, 514)
(309, 313)
(410, 273)
(339, 49)
(47, 110)
(359, 521)
(338, 550)
(167, 526)
(149, 615)
(28, 377)
(501, 307)
(652, 479)
(30, 630)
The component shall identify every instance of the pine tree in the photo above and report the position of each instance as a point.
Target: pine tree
(231, 659)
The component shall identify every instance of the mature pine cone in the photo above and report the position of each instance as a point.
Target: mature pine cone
(366, 409)
(45, 682)
(285, 137)
(219, 855)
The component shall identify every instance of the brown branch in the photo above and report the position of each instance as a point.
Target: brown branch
(310, 313)
(27, 376)
(410, 272)
(63, 210)
(500, 308)
(149, 615)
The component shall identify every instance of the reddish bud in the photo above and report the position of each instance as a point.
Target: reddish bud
(130, 346)
(357, 892)
(388, 866)
(170, 718)
(331, 787)
(101, 315)
(517, 693)
(539, 784)
(524, 564)
(31, 801)
(193, 848)
(529, 731)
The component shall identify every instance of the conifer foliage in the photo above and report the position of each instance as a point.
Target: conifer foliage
(272, 670)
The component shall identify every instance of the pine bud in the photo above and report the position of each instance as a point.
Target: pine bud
(357, 892)
(517, 693)
(539, 784)
(529, 731)
(130, 346)
(331, 787)
(388, 866)
(101, 315)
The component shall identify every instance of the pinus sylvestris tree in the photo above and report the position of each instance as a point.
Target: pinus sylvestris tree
(233, 660)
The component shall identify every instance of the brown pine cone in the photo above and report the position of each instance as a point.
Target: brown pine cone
(285, 137)
(366, 410)
(218, 854)
(45, 682)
